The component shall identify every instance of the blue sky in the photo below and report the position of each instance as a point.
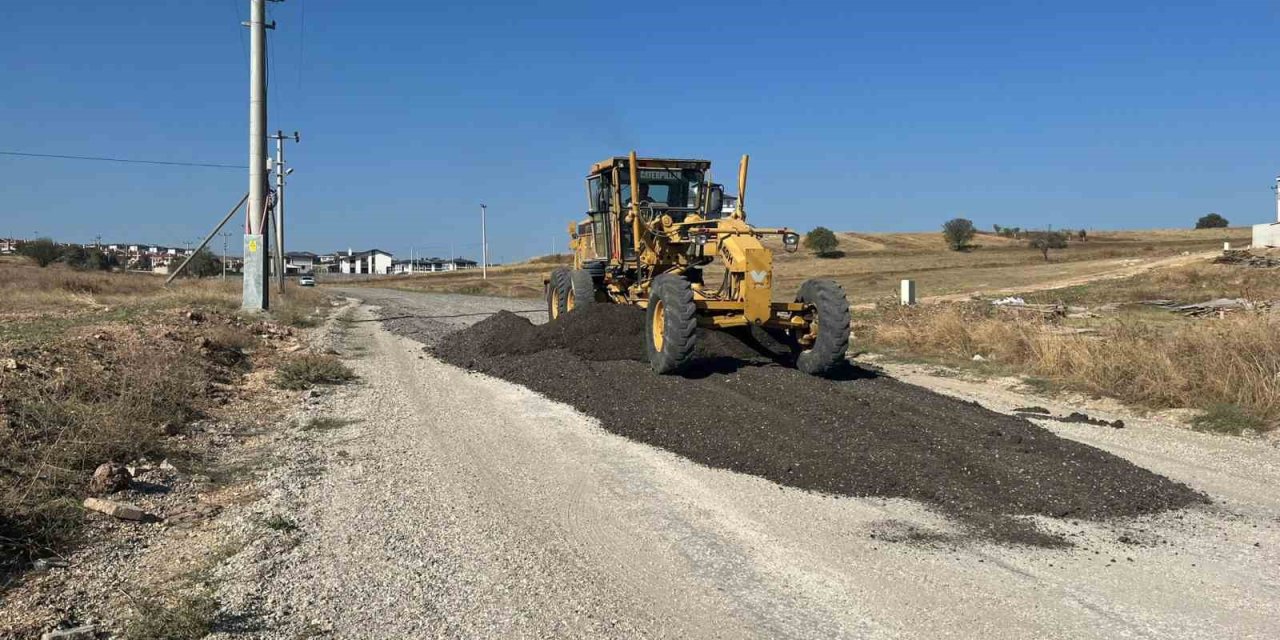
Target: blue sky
(858, 116)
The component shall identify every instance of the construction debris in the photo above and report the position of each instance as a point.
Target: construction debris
(1245, 258)
(115, 509)
(1217, 307)
(84, 632)
(1040, 413)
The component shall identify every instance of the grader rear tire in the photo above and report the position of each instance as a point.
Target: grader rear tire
(582, 288)
(557, 293)
(672, 324)
(828, 307)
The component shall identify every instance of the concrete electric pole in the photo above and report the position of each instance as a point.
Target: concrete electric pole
(256, 296)
(281, 172)
(484, 246)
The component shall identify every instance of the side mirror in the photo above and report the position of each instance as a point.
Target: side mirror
(715, 201)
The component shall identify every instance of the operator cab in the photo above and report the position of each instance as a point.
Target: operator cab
(671, 187)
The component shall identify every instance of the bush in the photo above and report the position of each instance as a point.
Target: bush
(1043, 241)
(92, 259)
(1212, 221)
(202, 265)
(304, 372)
(42, 251)
(958, 232)
(821, 241)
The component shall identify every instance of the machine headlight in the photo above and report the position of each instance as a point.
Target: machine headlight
(700, 239)
(791, 241)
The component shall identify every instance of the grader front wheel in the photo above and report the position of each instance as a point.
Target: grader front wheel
(558, 293)
(582, 288)
(672, 324)
(824, 344)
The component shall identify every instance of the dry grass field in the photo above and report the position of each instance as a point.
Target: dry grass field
(872, 264)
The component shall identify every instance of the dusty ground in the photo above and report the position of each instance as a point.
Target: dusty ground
(458, 505)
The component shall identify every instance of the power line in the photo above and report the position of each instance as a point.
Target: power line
(22, 154)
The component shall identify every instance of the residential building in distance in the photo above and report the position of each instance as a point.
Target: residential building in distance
(299, 262)
(432, 265)
(372, 261)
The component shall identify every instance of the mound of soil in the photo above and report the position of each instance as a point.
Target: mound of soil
(856, 433)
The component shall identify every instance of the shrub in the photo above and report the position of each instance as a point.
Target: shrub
(1212, 221)
(202, 265)
(821, 241)
(958, 232)
(42, 251)
(1043, 241)
(304, 372)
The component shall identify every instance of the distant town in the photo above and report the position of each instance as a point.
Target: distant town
(160, 259)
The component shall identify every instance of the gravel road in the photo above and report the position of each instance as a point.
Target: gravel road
(459, 505)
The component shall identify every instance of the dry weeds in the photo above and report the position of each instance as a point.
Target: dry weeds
(1201, 364)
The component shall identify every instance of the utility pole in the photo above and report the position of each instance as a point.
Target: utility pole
(1277, 190)
(225, 235)
(256, 296)
(281, 172)
(484, 246)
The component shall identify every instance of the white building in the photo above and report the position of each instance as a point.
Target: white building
(373, 261)
(1267, 234)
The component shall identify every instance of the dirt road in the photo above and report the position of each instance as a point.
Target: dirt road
(459, 505)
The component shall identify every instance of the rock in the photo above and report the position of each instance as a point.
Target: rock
(978, 358)
(115, 509)
(172, 428)
(166, 466)
(84, 632)
(109, 477)
(9, 364)
(312, 393)
(195, 317)
(44, 564)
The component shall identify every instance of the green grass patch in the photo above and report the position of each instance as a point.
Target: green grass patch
(1226, 418)
(327, 423)
(277, 522)
(304, 372)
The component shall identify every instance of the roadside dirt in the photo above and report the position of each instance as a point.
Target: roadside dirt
(858, 434)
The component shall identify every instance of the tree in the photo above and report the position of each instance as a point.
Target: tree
(43, 251)
(1043, 241)
(821, 241)
(203, 264)
(1212, 221)
(958, 232)
(1083, 235)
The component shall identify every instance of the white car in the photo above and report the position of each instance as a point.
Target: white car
(307, 281)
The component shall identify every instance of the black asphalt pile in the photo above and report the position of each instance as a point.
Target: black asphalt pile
(857, 434)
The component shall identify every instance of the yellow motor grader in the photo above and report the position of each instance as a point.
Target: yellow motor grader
(653, 226)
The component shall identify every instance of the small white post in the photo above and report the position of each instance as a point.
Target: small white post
(1226, 246)
(908, 293)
